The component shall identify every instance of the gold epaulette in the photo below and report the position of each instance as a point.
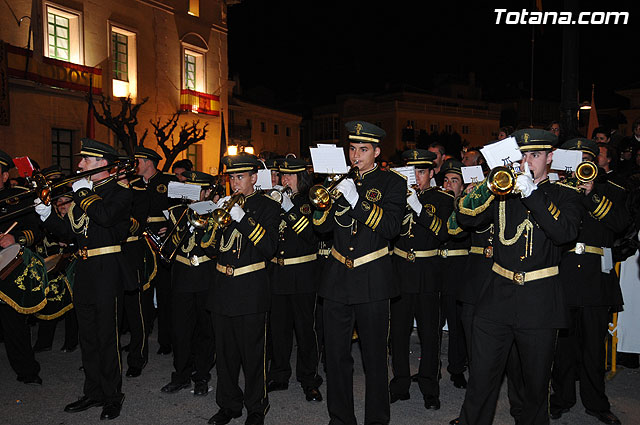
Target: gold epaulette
(123, 184)
(166, 173)
(616, 185)
(400, 174)
(567, 186)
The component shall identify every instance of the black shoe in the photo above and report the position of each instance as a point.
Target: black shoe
(111, 411)
(254, 419)
(224, 416)
(459, 380)
(455, 421)
(68, 348)
(134, 371)
(312, 394)
(82, 404)
(125, 348)
(172, 387)
(432, 403)
(393, 397)
(604, 416)
(557, 412)
(39, 349)
(164, 349)
(277, 386)
(201, 388)
(32, 380)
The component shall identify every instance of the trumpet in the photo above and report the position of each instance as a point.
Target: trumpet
(586, 171)
(320, 196)
(501, 180)
(276, 194)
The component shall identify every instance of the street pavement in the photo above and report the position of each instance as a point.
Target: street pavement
(22, 404)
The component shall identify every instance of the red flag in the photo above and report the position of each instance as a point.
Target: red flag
(593, 115)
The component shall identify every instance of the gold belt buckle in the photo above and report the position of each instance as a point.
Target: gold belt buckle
(229, 271)
(488, 252)
(518, 278)
(194, 260)
(83, 253)
(281, 262)
(348, 262)
(444, 252)
(580, 248)
(411, 256)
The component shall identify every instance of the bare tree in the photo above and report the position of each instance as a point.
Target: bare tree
(187, 136)
(124, 123)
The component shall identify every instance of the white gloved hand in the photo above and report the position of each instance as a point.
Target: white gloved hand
(414, 202)
(349, 191)
(221, 201)
(43, 210)
(82, 183)
(287, 204)
(524, 182)
(278, 187)
(237, 213)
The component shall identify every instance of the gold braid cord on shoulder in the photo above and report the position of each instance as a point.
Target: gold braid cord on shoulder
(526, 225)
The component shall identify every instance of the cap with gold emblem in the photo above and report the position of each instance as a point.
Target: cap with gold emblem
(364, 132)
(419, 158)
(582, 144)
(198, 177)
(272, 163)
(93, 148)
(535, 139)
(240, 163)
(146, 153)
(53, 172)
(5, 161)
(292, 165)
(451, 166)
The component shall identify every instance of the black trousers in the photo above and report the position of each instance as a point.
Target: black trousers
(491, 345)
(581, 352)
(372, 320)
(456, 351)
(17, 342)
(47, 330)
(135, 310)
(240, 342)
(192, 338)
(294, 313)
(162, 283)
(425, 308)
(99, 344)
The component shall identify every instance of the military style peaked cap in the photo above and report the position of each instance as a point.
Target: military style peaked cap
(240, 163)
(292, 165)
(451, 166)
(535, 139)
(5, 161)
(364, 132)
(146, 153)
(97, 149)
(582, 144)
(198, 177)
(272, 163)
(419, 158)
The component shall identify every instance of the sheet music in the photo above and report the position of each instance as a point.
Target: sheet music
(566, 160)
(409, 172)
(203, 207)
(328, 160)
(264, 180)
(472, 174)
(502, 153)
(184, 191)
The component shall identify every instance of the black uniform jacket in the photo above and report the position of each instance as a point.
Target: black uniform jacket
(359, 231)
(296, 239)
(98, 218)
(530, 233)
(28, 229)
(478, 266)
(250, 242)
(425, 232)
(604, 215)
(150, 200)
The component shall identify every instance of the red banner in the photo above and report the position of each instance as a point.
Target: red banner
(202, 103)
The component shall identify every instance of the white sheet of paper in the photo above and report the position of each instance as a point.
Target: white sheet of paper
(264, 179)
(184, 191)
(554, 177)
(203, 207)
(328, 160)
(166, 214)
(566, 160)
(502, 153)
(606, 261)
(326, 145)
(409, 172)
(472, 174)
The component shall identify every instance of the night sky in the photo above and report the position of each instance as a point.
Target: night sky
(307, 52)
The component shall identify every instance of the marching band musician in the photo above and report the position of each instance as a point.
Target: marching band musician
(191, 272)
(239, 300)
(294, 283)
(357, 282)
(522, 301)
(13, 317)
(423, 230)
(590, 294)
(99, 222)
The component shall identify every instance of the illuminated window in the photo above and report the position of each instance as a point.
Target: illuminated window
(194, 153)
(124, 65)
(61, 141)
(194, 7)
(193, 70)
(190, 71)
(63, 38)
(119, 51)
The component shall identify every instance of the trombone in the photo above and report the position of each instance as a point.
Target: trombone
(321, 196)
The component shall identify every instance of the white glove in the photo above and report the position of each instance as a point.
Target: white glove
(278, 187)
(287, 204)
(414, 202)
(82, 183)
(349, 191)
(43, 210)
(236, 213)
(524, 182)
(221, 201)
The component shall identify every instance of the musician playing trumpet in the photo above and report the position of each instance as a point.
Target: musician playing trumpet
(240, 298)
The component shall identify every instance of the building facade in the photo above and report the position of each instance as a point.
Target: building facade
(172, 52)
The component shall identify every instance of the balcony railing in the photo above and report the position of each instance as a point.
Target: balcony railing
(201, 103)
